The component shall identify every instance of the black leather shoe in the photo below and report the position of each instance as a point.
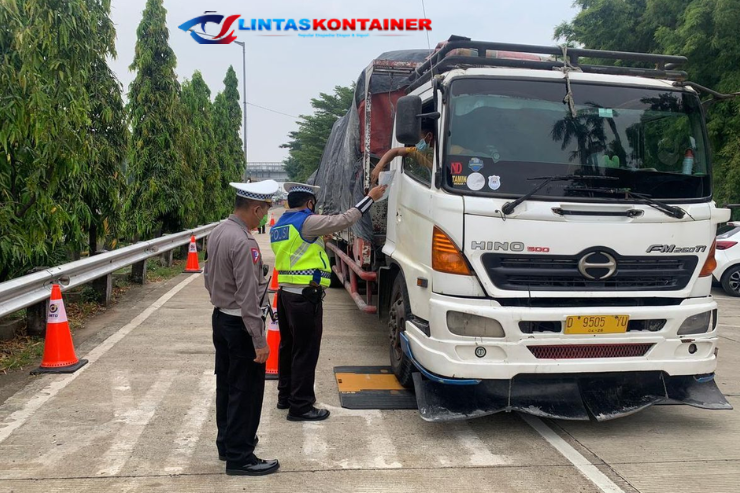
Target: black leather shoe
(312, 415)
(258, 467)
(223, 457)
(283, 405)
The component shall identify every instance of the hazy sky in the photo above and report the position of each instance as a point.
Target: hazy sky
(284, 73)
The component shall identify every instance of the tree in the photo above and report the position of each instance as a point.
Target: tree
(230, 153)
(306, 144)
(201, 148)
(705, 31)
(101, 187)
(160, 198)
(48, 52)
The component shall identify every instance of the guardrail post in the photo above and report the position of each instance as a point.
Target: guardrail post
(138, 272)
(103, 286)
(167, 258)
(36, 319)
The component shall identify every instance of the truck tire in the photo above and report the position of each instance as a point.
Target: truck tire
(398, 314)
(731, 281)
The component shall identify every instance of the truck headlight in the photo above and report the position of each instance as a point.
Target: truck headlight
(465, 324)
(696, 324)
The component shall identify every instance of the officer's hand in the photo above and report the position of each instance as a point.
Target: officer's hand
(377, 192)
(262, 354)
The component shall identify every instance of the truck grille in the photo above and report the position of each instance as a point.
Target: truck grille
(590, 351)
(560, 273)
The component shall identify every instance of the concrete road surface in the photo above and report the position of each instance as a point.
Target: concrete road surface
(140, 417)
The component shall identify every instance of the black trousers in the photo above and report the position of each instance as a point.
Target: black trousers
(262, 229)
(301, 327)
(240, 387)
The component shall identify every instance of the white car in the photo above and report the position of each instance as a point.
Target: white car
(727, 272)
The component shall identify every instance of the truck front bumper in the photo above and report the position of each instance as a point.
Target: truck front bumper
(445, 354)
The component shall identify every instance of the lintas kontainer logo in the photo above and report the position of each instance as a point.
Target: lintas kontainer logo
(287, 26)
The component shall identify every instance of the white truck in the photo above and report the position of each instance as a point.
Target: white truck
(556, 257)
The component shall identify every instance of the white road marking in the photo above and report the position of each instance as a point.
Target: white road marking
(21, 416)
(590, 471)
(135, 420)
(189, 433)
(480, 455)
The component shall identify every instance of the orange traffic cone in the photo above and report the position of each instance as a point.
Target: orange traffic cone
(273, 342)
(274, 283)
(272, 219)
(59, 351)
(192, 265)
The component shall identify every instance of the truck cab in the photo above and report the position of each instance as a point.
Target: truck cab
(553, 253)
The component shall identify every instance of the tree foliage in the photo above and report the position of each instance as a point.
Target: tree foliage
(306, 144)
(705, 31)
(49, 53)
(201, 148)
(229, 150)
(160, 199)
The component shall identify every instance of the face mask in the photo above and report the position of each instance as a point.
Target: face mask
(422, 145)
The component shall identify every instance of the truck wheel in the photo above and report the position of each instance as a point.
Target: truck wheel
(398, 314)
(731, 281)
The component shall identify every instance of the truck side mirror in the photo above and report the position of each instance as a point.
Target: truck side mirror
(408, 123)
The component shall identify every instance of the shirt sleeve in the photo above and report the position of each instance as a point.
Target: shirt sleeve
(247, 293)
(318, 225)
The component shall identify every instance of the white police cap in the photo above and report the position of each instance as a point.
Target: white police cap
(301, 187)
(260, 190)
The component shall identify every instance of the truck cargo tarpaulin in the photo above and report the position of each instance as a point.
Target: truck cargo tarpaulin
(363, 133)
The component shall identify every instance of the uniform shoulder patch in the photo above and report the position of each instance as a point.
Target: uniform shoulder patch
(255, 255)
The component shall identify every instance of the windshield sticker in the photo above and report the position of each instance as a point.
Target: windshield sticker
(476, 181)
(606, 113)
(494, 182)
(456, 168)
(459, 180)
(475, 164)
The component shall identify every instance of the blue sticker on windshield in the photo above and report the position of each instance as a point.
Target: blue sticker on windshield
(475, 164)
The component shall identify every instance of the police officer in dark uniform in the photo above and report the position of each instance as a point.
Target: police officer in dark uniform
(303, 273)
(236, 283)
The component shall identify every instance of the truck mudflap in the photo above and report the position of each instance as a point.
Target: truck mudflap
(597, 397)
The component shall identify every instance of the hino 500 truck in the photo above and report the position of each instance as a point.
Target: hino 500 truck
(554, 253)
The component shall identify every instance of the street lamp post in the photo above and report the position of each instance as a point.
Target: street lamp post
(244, 98)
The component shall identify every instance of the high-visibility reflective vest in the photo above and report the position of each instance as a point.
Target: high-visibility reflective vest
(298, 261)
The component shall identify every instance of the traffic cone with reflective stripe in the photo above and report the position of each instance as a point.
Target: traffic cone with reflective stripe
(59, 351)
(274, 282)
(273, 342)
(192, 265)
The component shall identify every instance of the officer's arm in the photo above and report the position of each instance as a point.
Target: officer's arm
(318, 225)
(247, 292)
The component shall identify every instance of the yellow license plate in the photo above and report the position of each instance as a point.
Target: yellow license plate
(596, 324)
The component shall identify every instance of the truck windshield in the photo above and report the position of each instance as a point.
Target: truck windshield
(503, 133)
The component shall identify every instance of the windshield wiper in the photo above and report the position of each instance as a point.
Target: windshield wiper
(666, 209)
(509, 207)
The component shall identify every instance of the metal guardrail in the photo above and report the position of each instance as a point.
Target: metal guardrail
(25, 291)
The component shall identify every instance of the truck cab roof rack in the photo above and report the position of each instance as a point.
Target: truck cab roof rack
(442, 61)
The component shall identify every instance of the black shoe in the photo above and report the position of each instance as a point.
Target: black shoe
(223, 456)
(283, 405)
(257, 467)
(312, 415)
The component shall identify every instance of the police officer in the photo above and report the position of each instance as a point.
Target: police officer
(236, 283)
(303, 273)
